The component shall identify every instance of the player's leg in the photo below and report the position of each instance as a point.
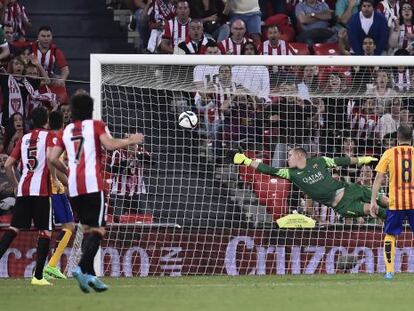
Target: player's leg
(392, 228)
(21, 219)
(63, 214)
(363, 194)
(350, 205)
(92, 214)
(43, 222)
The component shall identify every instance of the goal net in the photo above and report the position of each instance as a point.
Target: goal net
(177, 207)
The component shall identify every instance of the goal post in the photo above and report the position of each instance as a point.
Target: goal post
(176, 207)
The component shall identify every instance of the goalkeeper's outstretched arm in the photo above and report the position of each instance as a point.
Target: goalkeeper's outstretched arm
(239, 158)
(346, 161)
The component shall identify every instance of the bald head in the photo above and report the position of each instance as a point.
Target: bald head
(238, 29)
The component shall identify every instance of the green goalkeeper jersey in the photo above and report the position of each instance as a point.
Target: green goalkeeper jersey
(315, 179)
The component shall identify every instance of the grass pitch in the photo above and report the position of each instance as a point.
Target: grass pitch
(321, 292)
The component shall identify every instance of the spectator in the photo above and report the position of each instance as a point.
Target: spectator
(314, 19)
(139, 21)
(234, 44)
(204, 75)
(382, 90)
(11, 40)
(52, 58)
(253, 78)
(367, 23)
(158, 11)
(16, 16)
(391, 11)
(402, 35)
(7, 199)
(16, 90)
(128, 176)
(310, 81)
(14, 131)
(344, 9)
(249, 12)
(176, 29)
(196, 42)
(66, 113)
(390, 121)
(274, 45)
(401, 76)
(211, 13)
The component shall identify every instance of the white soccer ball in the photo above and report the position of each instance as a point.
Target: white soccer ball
(188, 120)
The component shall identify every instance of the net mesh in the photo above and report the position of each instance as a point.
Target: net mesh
(177, 207)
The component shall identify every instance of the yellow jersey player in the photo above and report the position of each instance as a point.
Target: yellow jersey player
(398, 163)
(61, 208)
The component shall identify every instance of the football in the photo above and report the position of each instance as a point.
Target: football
(188, 120)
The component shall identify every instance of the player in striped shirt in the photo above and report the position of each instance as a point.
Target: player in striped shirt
(398, 163)
(82, 140)
(33, 190)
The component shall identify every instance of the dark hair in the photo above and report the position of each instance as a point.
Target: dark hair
(368, 37)
(300, 151)
(81, 107)
(45, 28)
(211, 44)
(401, 52)
(401, 21)
(405, 133)
(243, 49)
(372, 2)
(55, 120)
(39, 117)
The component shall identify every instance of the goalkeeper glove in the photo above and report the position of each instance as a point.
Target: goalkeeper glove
(366, 160)
(238, 157)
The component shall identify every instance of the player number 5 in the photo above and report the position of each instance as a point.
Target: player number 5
(31, 155)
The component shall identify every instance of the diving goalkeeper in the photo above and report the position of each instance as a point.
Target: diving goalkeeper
(312, 176)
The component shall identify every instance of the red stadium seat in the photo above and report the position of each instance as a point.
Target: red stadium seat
(282, 21)
(300, 48)
(326, 49)
(272, 192)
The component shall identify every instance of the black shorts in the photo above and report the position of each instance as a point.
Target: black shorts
(90, 209)
(34, 208)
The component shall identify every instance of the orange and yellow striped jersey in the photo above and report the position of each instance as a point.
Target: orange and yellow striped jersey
(57, 186)
(398, 162)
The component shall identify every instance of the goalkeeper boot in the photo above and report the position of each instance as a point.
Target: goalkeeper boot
(82, 280)
(96, 284)
(53, 272)
(41, 282)
(389, 276)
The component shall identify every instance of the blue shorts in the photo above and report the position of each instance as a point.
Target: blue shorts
(394, 221)
(62, 211)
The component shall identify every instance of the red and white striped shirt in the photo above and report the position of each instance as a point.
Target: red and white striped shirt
(32, 150)
(53, 56)
(81, 141)
(282, 48)
(403, 41)
(175, 31)
(228, 46)
(160, 10)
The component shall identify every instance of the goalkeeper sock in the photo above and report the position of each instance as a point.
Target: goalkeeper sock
(42, 250)
(389, 252)
(6, 240)
(62, 241)
(90, 247)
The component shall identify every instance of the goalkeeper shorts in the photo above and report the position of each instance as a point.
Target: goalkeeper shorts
(353, 201)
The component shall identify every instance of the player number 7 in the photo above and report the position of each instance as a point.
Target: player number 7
(78, 147)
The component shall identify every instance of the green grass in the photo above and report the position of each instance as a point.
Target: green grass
(322, 292)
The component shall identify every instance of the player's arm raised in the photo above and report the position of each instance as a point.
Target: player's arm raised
(111, 143)
(345, 161)
(239, 158)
